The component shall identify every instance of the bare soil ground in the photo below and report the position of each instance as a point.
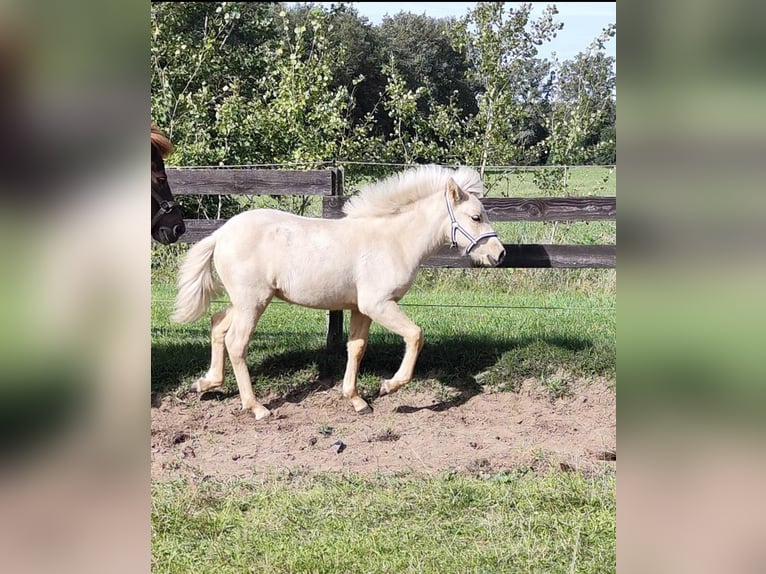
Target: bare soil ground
(408, 431)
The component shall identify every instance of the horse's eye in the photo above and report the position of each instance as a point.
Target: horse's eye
(476, 218)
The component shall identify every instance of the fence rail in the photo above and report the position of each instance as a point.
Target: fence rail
(204, 181)
(518, 209)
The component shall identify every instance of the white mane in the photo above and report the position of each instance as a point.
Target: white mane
(388, 196)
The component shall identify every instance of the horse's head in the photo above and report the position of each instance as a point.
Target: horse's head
(471, 230)
(167, 223)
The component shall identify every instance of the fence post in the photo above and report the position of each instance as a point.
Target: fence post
(335, 318)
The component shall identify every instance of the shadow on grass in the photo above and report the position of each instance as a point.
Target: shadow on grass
(453, 361)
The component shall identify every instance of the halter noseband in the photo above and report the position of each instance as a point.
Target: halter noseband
(166, 206)
(474, 241)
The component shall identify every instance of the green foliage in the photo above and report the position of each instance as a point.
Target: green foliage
(269, 83)
(359, 71)
(582, 120)
(202, 52)
(232, 94)
(415, 137)
(301, 118)
(423, 50)
(514, 83)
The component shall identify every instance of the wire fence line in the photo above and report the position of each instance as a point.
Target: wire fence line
(337, 163)
(449, 306)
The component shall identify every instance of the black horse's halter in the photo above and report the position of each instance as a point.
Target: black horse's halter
(474, 241)
(166, 206)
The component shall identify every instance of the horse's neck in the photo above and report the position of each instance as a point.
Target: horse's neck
(423, 230)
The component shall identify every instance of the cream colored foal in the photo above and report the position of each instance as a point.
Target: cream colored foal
(364, 263)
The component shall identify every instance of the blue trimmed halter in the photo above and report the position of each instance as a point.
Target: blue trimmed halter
(457, 227)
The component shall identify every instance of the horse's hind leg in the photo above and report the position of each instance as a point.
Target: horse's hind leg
(393, 318)
(359, 329)
(237, 337)
(213, 379)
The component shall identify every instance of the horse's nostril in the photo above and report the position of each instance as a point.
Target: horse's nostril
(501, 257)
(179, 229)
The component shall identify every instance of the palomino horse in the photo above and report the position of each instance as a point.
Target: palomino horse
(167, 224)
(364, 262)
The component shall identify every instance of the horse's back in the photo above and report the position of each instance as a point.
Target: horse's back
(282, 232)
(295, 258)
(257, 219)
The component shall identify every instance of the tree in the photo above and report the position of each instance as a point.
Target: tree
(228, 94)
(237, 83)
(199, 50)
(360, 68)
(415, 137)
(582, 120)
(424, 55)
(513, 84)
(244, 83)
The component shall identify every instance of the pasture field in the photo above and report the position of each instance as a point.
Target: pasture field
(498, 457)
(499, 181)
(488, 335)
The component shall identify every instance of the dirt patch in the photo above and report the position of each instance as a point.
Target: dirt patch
(407, 431)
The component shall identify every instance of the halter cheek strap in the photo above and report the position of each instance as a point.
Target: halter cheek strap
(473, 241)
(165, 207)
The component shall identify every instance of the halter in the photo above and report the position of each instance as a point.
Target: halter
(457, 227)
(166, 206)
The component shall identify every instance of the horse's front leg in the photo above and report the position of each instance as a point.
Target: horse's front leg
(393, 318)
(359, 329)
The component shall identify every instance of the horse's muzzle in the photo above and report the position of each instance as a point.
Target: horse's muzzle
(496, 261)
(167, 235)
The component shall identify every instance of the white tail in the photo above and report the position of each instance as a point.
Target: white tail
(196, 284)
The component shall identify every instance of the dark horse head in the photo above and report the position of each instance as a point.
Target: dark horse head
(167, 224)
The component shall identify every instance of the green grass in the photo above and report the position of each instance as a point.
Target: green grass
(491, 336)
(579, 181)
(513, 522)
(551, 181)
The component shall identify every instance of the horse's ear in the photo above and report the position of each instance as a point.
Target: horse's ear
(455, 193)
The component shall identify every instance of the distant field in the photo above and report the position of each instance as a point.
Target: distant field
(533, 181)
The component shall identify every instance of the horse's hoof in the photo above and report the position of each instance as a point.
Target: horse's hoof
(203, 386)
(262, 415)
(360, 405)
(384, 389)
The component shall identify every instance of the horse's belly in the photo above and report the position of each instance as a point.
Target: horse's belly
(315, 291)
(329, 301)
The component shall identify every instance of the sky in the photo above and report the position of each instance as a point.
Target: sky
(583, 21)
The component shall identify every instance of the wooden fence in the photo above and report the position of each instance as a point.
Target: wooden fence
(328, 184)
